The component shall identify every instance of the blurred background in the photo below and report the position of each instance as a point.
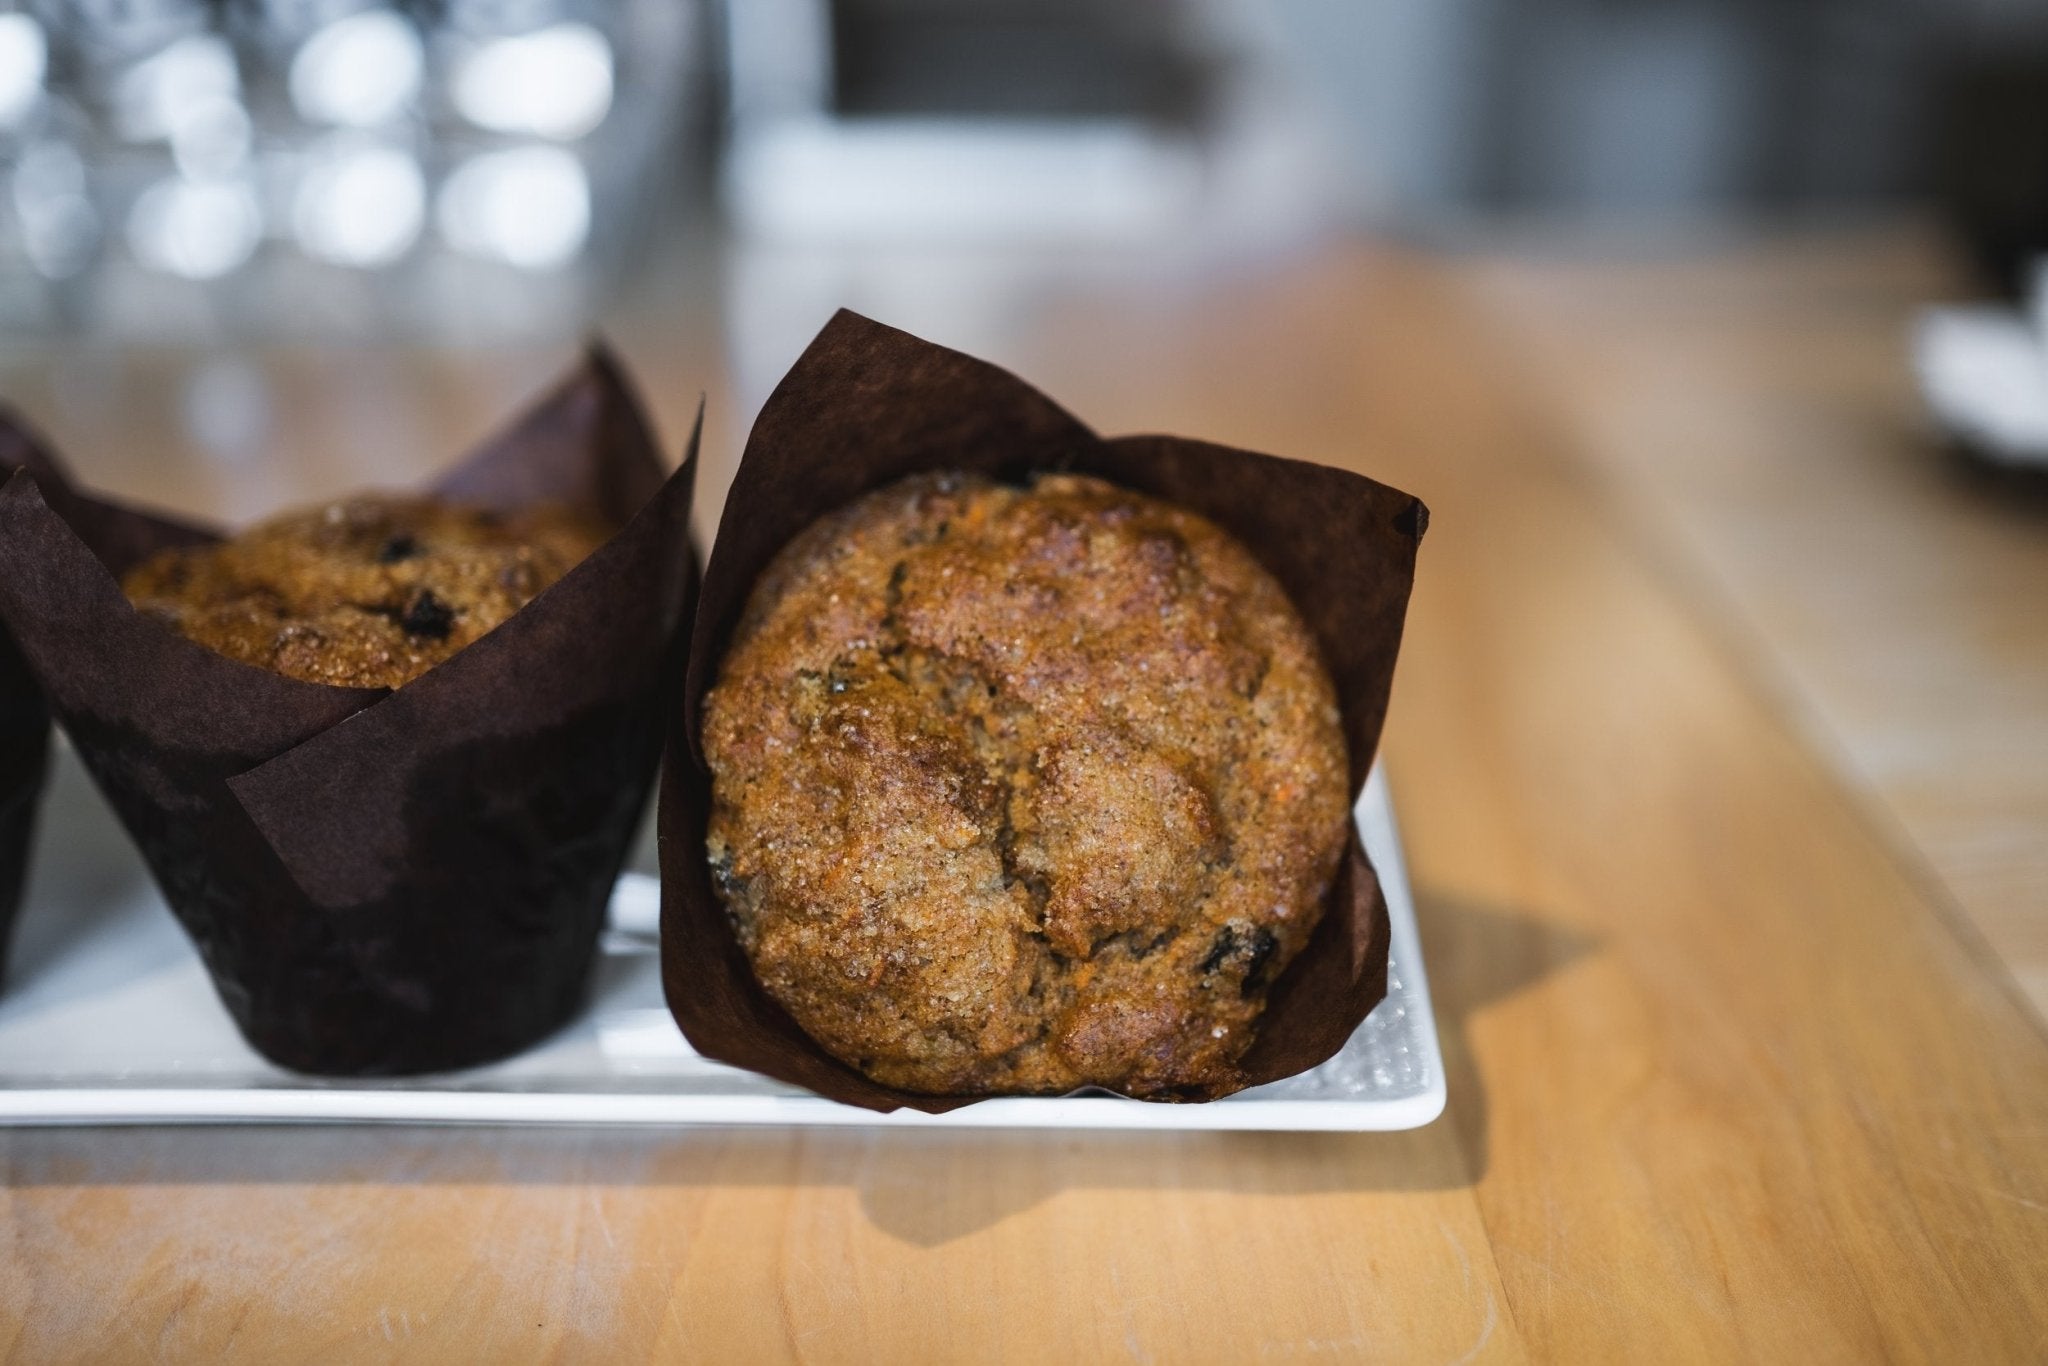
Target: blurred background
(478, 170)
(1707, 255)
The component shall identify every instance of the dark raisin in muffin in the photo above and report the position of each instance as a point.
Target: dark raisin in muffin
(369, 592)
(1023, 789)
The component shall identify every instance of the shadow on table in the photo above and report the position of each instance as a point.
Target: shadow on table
(925, 1187)
(1478, 955)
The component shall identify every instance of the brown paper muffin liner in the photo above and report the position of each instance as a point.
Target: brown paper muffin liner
(385, 882)
(24, 720)
(866, 405)
(24, 752)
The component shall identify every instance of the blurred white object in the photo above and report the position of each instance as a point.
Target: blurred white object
(554, 83)
(198, 229)
(894, 178)
(1984, 372)
(943, 166)
(59, 226)
(359, 71)
(24, 56)
(525, 206)
(210, 136)
(360, 205)
(479, 169)
(1190, 135)
(151, 97)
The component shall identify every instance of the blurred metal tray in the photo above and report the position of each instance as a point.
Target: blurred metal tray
(108, 1018)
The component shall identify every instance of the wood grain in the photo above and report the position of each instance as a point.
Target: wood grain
(1728, 1080)
(1758, 411)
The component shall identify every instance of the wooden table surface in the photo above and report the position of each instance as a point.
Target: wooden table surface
(1753, 410)
(1735, 1073)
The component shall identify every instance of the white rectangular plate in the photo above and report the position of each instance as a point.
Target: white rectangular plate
(108, 1018)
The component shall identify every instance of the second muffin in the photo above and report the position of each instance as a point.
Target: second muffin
(368, 592)
(1020, 790)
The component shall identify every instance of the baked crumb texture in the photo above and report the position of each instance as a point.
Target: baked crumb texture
(369, 592)
(1021, 790)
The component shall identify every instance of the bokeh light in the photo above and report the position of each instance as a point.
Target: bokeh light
(151, 97)
(24, 57)
(359, 71)
(200, 230)
(525, 206)
(60, 228)
(554, 83)
(359, 204)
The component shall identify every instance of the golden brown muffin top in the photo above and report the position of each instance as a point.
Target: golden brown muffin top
(1021, 790)
(368, 592)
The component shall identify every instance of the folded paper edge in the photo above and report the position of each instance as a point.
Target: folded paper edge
(311, 706)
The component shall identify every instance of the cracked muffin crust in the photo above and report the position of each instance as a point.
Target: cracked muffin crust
(368, 592)
(1023, 789)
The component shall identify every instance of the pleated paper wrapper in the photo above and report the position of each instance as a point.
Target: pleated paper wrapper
(867, 405)
(384, 882)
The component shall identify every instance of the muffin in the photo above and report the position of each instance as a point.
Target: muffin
(369, 592)
(1023, 789)
(393, 843)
